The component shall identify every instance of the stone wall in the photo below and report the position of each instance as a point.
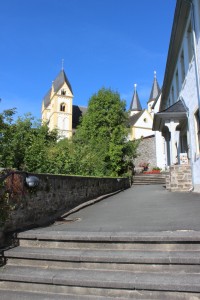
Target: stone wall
(179, 178)
(146, 152)
(56, 195)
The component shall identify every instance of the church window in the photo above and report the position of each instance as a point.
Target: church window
(182, 66)
(197, 127)
(189, 43)
(62, 107)
(145, 120)
(63, 92)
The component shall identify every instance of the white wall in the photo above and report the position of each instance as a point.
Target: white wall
(188, 91)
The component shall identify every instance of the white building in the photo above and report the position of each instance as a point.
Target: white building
(178, 116)
(141, 121)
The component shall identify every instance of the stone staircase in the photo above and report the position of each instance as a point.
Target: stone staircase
(144, 179)
(102, 265)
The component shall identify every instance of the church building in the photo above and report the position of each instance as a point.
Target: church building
(58, 109)
(141, 120)
(151, 148)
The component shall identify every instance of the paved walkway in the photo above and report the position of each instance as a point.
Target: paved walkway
(138, 209)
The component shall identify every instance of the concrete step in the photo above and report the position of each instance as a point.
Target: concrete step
(106, 256)
(32, 291)
(178, 282)
(27, 295)
(48, 234)
(144, 179)
(148, 183)
(137, 268)
(140, 265)
(139, 246)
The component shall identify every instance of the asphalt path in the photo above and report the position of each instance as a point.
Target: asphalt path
(138, 209)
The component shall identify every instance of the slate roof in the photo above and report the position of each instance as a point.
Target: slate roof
(133, 119)
(155, 91)
(77, 112)
(176, 107)
(135, 103)
(57, 83)
(176, 111)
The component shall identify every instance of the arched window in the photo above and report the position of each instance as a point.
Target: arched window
(63, 92)
(62, 107)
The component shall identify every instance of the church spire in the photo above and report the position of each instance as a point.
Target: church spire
(135, 103)
(155, 91)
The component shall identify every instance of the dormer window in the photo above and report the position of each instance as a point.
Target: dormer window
(63, 92)
(62, 107)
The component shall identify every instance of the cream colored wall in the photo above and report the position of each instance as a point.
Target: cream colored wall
(143, 127)
(138, 132)
(58, 119)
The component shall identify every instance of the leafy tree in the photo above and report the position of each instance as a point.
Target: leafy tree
(99, 147)
(23, 143)
(36, 154)
(103, 135)
(6, 135)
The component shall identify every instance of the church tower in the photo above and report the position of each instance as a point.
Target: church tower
(135, 106)
(57, 106)
(155, 92)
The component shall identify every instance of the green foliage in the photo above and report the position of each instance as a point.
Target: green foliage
(102, 136)
(99, 147)
(36, 153)
(156, 169)
(23, 143)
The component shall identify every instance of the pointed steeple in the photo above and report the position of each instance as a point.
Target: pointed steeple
(155, 91)
(56, 85)
(60, 80)
(135, 103)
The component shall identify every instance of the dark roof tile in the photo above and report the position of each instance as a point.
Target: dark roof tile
(57, 84)
(176, 107)
(77, 112)
(133, 119)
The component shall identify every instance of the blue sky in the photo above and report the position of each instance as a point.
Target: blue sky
(104, 43)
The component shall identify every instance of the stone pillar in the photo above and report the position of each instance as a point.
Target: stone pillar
(173, 151)
(167, 137)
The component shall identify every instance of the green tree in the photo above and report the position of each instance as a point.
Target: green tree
(102, 135)
(36, 157)
(6, 136)
(24, 142)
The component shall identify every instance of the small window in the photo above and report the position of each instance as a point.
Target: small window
(145, 120)
(182, 67)
(189, 42)
(197, 127)
(63, 92)
(173, 97)
(62, 107)
(177, 84)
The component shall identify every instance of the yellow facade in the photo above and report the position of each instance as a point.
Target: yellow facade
(142, 126)
(57, 106)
